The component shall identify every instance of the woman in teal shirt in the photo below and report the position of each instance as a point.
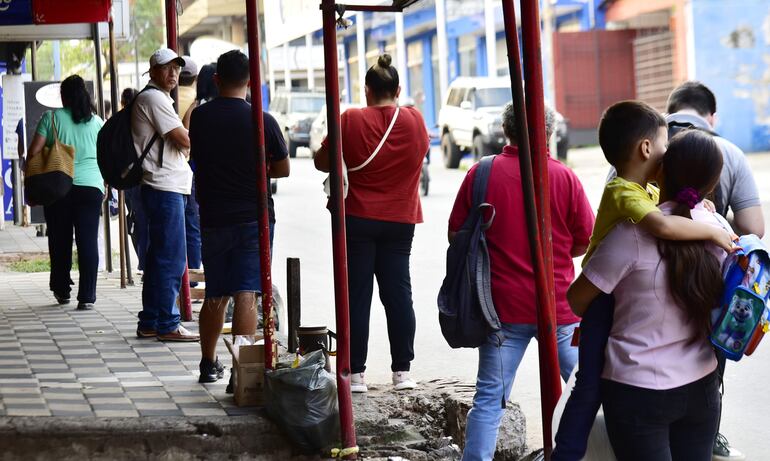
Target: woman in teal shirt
(76, 125)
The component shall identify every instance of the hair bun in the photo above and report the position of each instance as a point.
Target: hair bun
(384, 61)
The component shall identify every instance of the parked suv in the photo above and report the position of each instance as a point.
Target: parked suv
(318, 128)
(295, 111)
(470, 119)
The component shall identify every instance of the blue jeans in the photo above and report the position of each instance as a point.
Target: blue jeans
(192, 222)
(165, 261)
(579, 414)
(497, 369)
(231, 256)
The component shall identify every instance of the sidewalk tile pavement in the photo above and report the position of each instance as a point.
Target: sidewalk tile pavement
(55, 361)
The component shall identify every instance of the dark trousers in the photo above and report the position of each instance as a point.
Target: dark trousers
(78, 210)
(380, 249)
(580, 411)
(192, 222)
(137, 224)
(662, 425)
(721, 364)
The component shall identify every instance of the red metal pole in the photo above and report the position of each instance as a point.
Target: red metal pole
(546, 322)
(535, 189)
(171, 41)
(339, 248)
(255, 82)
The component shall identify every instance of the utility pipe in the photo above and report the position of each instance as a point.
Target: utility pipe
(532, 187)
(339, 249)
(122, 237)
(252, 25)
(172, 43)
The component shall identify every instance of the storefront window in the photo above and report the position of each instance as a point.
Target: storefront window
(416, 80)
(353, 69)
(437, 101)
(502, 58)
(467, 50)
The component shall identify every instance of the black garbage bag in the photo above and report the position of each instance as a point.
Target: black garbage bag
(303, 402)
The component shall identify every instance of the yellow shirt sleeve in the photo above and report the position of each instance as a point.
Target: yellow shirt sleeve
(621, 201)
(632, 202)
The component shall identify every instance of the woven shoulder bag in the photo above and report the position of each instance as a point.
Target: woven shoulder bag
(48, 176)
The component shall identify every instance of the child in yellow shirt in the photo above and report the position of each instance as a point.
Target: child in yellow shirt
(633, 137)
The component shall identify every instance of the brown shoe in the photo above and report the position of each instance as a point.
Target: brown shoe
(146, 333)
(181, 334)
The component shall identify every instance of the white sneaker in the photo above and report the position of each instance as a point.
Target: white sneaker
(402, 381)
(357, 384)
(724, 452)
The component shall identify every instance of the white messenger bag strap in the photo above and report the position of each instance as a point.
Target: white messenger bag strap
(382, 142)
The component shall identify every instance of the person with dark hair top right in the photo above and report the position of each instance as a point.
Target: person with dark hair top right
(77, 125)
(660, 386)
(383, 146)
(205, 90)
(692, 105)
(633, 138)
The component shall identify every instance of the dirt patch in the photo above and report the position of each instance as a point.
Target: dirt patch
(26, 262)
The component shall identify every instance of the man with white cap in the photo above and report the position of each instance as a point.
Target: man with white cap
(166, 184)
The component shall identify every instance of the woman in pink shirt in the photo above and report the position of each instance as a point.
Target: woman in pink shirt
(659, 383)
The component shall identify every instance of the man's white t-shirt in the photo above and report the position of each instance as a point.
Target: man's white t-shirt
(154, 113)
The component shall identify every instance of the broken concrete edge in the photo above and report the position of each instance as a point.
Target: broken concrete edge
(180, 437)
(437, 413)
(422, 425)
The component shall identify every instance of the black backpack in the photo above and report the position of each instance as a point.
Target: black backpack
(466, 312)
(674, 128)
(116, 155)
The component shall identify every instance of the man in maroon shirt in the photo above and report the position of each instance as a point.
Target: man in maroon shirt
(513, 283)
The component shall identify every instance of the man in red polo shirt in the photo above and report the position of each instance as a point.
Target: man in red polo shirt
(513, 283)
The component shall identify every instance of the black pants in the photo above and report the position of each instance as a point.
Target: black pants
(381, 249)
(583, 404)
(79, 209)
(662, 425)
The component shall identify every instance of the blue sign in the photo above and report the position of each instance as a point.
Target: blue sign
(15, 12)
(8, 195)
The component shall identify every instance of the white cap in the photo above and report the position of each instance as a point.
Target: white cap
(164, 56)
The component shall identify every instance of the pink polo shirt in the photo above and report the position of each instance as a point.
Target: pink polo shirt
(650, 340)
(513, 280)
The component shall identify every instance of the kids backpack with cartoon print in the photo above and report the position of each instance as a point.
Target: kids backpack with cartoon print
(743, 315)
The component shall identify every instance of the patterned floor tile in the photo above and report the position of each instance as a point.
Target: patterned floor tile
(117, 413)
(42, 411)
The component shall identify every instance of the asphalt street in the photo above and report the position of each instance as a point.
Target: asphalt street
(303, 230)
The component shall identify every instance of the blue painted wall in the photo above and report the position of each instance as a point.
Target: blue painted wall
(732, 57)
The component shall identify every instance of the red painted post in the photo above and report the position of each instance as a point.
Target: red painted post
(532, 188)
(252, 25)
(339, 248)
(171, 41)
(546, 320)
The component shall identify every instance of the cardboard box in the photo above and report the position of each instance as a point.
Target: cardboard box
(249, 371)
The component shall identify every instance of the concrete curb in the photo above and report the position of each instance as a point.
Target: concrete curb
(149, 438)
